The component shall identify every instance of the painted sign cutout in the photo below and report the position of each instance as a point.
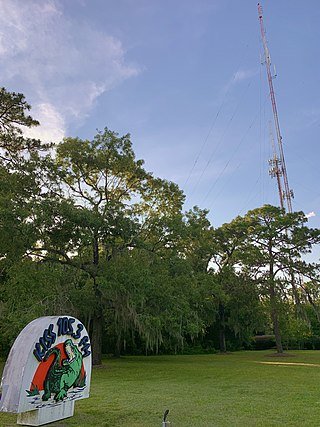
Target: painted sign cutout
(48, 368)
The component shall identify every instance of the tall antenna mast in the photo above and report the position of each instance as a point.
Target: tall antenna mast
(287, 194)
(274, 166)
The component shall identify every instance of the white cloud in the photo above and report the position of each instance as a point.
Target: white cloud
(243, 75)
(62, 66)
(52, 125)
(239, 76)
(310, 214)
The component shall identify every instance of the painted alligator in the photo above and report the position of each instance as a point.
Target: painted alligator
(62, 376)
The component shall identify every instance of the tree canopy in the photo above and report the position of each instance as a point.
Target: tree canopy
(86, 229)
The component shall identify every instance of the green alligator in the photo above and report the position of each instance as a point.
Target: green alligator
(61, 377)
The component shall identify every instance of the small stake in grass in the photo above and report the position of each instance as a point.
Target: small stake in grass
(165, 422)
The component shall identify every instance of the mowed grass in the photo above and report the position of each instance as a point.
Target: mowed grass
(239, 389)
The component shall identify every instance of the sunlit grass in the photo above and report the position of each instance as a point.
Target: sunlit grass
(239, 389)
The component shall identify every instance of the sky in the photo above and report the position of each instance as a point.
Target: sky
(185, 78)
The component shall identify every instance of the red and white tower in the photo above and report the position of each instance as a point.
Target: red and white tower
(278, 165)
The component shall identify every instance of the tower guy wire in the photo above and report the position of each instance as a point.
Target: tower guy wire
(215, 118)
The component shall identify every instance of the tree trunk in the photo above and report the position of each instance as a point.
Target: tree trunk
(273, 302)
(97, 317)
(95, 247)
(222, 329)
(118, 345)
(96, 338)
(275, 320)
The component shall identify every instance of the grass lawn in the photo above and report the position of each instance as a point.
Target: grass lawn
(239, 389)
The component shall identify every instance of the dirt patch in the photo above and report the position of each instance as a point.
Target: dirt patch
(100, 366)
(226, 353)
(280, 355)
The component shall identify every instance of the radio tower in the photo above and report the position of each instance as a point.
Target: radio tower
(274, 166)
(278, 165)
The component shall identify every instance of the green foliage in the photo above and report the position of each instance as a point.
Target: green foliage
(85, 229)
(112, 220)
(273, 250)
(33, 290)
(154, 297)
(13, 117)
(240, 311)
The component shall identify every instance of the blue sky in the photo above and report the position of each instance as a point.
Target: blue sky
(185, 79)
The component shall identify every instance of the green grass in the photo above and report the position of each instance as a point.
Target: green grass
(240, 389)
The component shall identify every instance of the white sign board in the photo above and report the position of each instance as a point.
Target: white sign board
(48, 368)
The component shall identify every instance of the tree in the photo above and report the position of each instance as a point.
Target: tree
(274, 248)
(90, 207)
(20, 188)
(101, 205)
(19, 177)
(156, 301)
(238, 299)
(14, 118)
(33, 290)
(197, 241)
